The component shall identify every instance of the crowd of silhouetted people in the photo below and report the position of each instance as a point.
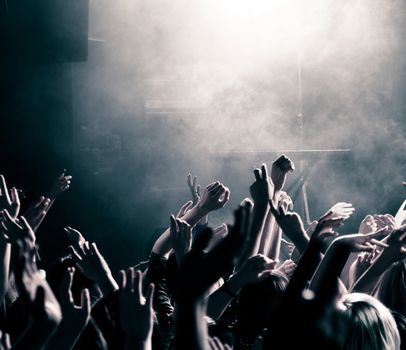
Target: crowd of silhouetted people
(266, 281)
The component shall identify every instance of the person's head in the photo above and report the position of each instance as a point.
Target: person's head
(392, 287)
(257, 303)
(369, 324)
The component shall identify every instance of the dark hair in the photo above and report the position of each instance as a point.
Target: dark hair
(256, 304)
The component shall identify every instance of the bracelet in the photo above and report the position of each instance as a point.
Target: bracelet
(227, 289)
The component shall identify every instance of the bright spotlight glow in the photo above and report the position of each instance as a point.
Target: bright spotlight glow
(250, 28)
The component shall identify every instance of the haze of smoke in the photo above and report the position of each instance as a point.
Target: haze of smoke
(244, 93)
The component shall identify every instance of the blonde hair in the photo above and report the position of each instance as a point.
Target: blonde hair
(370, 324)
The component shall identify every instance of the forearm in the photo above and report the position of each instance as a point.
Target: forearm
(251, 249)
(107, 283)
(36, 337)
(191, 328)
(304, 271)
(5, 251)
(326, 280)
(221, 298)
(274, 247)
(367, 282)
(266, 234)
(163, 244)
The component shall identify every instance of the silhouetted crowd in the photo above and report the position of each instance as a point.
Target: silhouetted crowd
(264, 282)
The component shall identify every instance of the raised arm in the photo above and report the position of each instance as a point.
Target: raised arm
(136, 312)
(198, 272)
(395, 251)
(261, 193)
(214, 196)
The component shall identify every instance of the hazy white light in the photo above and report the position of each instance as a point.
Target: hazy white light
(246, 29)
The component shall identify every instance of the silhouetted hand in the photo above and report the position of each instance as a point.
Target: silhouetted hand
(33, 287)
(37, 212)
(76, 316)
(396, 245)
(262, 189)
(181, 237)
(214, 196)
(16, 229)
(359, 242)
(75, 238)
(360, 265)
(290, 222)
(280, 168)
(285, 201)
(136, 312)
(325, 226)
(94, 266)
(9, 200)
(194, 188)
(200, 269)
(61, 184)
(219, 233)
(254, 270)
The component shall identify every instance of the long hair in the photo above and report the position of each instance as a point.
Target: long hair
(392, 288)
(370, 324)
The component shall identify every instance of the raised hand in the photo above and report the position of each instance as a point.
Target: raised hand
(368, 225)
(181, 236)
(360, 265)
(201, 269)
(37, 212)
(285, 201)
(341, 209)
(254, 270)
(61, 184)
(94, 266)
(75, 238)
(33, 287)
(74, 317)
(325, 226)
(16, 229)
(291, 225)
(262, 189)
(77, 316)
(280, 168)
(214, 196)
(194, 188)
(395, 250)
(385, 221)
(396, 245)
(9, 200)
(136, 312)
(219, 233)
(359, 242)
